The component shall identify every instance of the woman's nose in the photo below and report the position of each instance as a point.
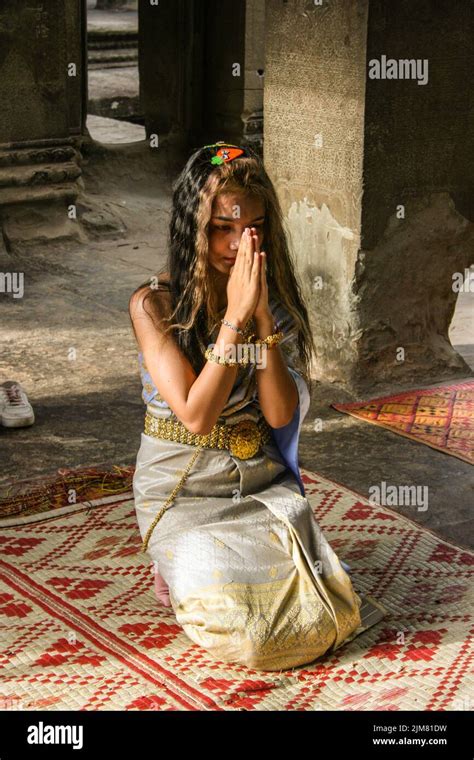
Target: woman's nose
(234, 245)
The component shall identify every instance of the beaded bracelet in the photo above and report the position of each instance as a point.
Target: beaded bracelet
(233, 327)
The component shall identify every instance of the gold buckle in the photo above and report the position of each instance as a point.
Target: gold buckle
(244, 439)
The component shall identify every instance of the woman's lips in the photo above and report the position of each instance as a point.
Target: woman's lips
(230, 259)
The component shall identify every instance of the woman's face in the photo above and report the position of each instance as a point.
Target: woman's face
(231, 214)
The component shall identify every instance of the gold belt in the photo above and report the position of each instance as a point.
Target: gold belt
(242, 440)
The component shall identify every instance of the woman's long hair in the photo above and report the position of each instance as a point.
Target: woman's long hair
(193, 302)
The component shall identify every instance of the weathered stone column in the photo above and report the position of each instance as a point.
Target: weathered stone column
(201, 70)
(165, 60)
(234, 71)
(41, 118)
(375, 176)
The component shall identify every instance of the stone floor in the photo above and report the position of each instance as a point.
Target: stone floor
(70, 343)
(116, 20)
(112, 131)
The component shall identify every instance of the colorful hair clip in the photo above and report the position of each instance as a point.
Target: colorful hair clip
(225, 152)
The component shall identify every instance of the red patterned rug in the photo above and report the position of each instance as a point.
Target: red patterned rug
(81, 629)
(441, 417)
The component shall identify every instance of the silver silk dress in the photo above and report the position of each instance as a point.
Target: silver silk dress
(252, 579)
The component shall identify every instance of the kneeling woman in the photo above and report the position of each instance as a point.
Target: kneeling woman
(225, 348)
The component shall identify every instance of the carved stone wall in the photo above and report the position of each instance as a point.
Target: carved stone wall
(346, 151)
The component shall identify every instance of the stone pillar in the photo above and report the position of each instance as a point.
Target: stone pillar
(252, 111)
(234, 71)
(201, 70)
(41, 118)
(167, 60)
(375, 177)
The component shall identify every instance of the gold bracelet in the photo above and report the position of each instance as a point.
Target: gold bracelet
(270, 340)
(210, 356)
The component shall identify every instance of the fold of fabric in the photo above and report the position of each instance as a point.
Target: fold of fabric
(287, 437)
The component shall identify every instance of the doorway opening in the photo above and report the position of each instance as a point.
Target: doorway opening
(114, 113)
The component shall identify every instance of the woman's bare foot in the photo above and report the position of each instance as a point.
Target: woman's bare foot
(162, 590)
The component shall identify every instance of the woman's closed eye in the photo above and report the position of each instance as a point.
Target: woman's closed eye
(226, 227)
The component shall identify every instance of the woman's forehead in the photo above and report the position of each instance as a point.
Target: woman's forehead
(226, 205)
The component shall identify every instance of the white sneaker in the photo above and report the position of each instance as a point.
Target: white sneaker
(15, 409)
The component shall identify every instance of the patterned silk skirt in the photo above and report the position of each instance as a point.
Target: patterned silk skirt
(252, 579)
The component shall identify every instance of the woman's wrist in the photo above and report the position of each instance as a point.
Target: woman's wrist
(239, 320)
(264, 324)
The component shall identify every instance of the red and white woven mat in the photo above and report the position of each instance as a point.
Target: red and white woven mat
(81, 630)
